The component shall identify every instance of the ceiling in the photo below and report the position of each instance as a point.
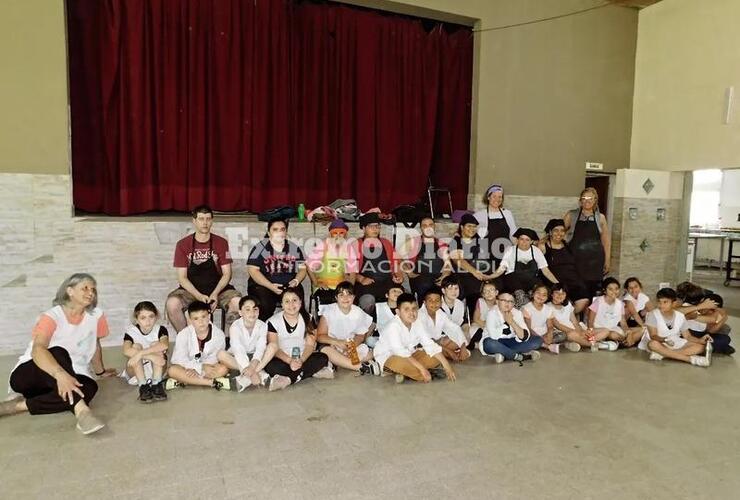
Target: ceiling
(638, 4)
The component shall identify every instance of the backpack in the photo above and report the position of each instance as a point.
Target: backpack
(283, 212)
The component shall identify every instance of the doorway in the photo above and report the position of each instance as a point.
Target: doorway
(602, 185)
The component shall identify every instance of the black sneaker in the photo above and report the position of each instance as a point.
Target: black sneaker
(370, 368)
(145, 393)
(225, 384)
(438, 373)
(158, 392)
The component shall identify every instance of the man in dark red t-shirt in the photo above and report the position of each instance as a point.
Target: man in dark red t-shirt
(203, 266)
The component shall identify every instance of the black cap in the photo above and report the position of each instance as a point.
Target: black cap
(468, 219)
(525, 231)
(369, 218)
(553, 223)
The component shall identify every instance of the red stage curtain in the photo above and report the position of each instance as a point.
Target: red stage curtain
(246, 105)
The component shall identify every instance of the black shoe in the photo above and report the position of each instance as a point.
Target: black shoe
(437, 373)
(145, 393)
(158, 392)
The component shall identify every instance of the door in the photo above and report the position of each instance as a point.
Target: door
(601, 185)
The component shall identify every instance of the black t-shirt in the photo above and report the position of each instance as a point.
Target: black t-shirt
(278, 267)
(161, 333)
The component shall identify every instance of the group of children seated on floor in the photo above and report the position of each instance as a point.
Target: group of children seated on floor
(418, 343)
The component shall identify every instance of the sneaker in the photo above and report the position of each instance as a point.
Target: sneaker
(242, 382)
(225, 384)
(438, 373)
(145, 393)
(708, 353)
(158, 392)
(87, 423)
(572, 346)
(264, 377)
(498, 358)
(325, 372)
(608, 345)
(554, 348)
(400, 378)
(9, 407)
(370, 368)
(171, 383)
(278, 382)
(699, 361)
(654, 356)
(531, 356)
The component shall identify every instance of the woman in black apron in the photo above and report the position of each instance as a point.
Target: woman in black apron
(428, 264)
(521, 276)
(471, 261)
(562, 264)
(498, 223)
(588, 239)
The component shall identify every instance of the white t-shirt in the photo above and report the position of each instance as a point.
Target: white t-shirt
(287, 340)
(246, 345)
(607, 315)
(456, 312)
(383, 315)
(187, 352)
(483, 215)
(397, 340)
(562, 314)
(345, 326)
(441, 325)
(640, 302)
(523, 256)
(496, 328)
(669, 330)
(538, 318)
(483, 308)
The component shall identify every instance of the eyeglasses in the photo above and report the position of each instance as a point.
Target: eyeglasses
(587, 198)
(507, 301)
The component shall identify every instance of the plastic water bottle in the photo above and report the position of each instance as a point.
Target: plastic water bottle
(301, 212)
(295, 353)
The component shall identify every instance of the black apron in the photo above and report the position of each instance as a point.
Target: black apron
(524, 276)
(428, 266)
(206, 275)
(587, 249)
(562, 263)
(497, 228)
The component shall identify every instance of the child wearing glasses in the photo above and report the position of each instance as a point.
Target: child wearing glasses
(249, 352)
(506, 336)
(343, 327)
(195, 357)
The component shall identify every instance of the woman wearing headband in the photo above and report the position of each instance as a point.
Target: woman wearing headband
(588, 236)
(496, 224)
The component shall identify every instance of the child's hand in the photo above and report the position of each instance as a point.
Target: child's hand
(426, 376)
(158, 347)
(191, 373)
(295, 364)
(706, 339)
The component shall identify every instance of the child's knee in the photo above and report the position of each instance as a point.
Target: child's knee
(221, 370)
(653, 345)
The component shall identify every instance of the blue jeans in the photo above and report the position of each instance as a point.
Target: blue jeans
(510, 347)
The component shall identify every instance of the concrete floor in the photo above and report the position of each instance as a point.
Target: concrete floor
(602, 425)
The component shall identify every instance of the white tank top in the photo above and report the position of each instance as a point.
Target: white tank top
(287, 341)
(78, 340)
(144, 340)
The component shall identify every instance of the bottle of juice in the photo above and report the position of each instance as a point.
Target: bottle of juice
(352, 351)
(301, 212)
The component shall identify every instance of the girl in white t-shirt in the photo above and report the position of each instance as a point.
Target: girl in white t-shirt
(564, 320)
(453, 306)
(485, 303)
(606, 317)
(636, 303)
(145, 344)
(249, 351)
(343, 324)
(668, 334)
(538, 316)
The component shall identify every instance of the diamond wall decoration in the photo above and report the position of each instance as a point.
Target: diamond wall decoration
(644, 245)
(648, 186)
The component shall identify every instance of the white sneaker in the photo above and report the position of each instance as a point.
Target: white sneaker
(498, 358)
(654, 356)
(572, 346)
(325, 372)
(699, 361)
(554, 348)
(279, 382)
(264, 377)
(608, 345)
(400, 378)
(242, 382)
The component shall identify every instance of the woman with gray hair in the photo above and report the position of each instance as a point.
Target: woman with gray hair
(54, 374)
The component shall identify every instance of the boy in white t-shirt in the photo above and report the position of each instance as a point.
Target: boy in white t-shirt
(249, 351)
(342, 327)
(668, 334)
(195, 357)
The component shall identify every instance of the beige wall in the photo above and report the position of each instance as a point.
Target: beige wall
(548, 96)
(33, 87)
(687, 55)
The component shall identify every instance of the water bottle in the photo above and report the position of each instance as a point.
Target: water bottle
(301, 212)
(295, 353)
